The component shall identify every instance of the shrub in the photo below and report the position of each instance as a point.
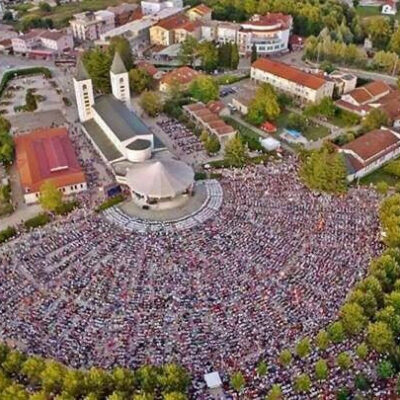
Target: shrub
(66, 207)
(38, 220)
(7, 233)
(110, 202)
(200, 175)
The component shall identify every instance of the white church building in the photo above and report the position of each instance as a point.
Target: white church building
(115, 130)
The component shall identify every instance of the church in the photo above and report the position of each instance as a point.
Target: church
(115, 130)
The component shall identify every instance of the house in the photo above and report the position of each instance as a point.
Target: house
(57, 41)
(24, 43)
(209, 30)
(154, 6)
(389, 8)
(209, 120)
(243, 99)
(370, 151)
(344, 82)
(164, 32)
(297, 83)
(200, 12)
(227, 32)
(48, 155)
(123, 13)
(268, 33)
(154, 72)
(190, 28)
(90, 25)
(183, 76)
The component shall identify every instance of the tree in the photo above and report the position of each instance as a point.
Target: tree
(212, 144)
(285, 357)
(254, 54)
(39, 396)
(45, 7)
(74, 383)
(362, 351)
(151, 103)
(324, 170)
(302, 383)
(8, 16)
(385, 369)
(353, 318)
(321, 370)
(50, 197)
(174, 396)
(204, 88)
(394, 43)
(336, 332)
(391, 318)
(380, 31)
(237, 381)
(374, 120)
(32, 368)
(14, 392)
(235, 152)
(143, 396)
(264, 106)
(303, 347)
(122, 46)
(208, 55)
(13, 362)
(123, 379)
(173, 378)
(343, 360)
(52, 376)
(97, 381)
(116, 396)
(322, 340)
(297, 122)
(361, 382)
(148, 378)
(188, 51)
(5, 125)
(98, 65)
(140, 80)
(262, 368)
(234, 56)
(380, 337)
(275, 393)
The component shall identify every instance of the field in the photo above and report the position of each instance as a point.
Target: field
(368, 11)
(62, 14)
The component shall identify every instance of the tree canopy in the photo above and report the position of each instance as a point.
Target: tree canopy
(264, 106)
(204, 88)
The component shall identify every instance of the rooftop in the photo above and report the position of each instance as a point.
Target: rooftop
(183, 75)
(118, 66)
(44, 155)
(124, 123)
(174, 22)
(289, 73)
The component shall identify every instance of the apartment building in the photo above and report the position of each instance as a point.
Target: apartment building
(90, 25)
(291, 80)
(200, 12)
(155, 6)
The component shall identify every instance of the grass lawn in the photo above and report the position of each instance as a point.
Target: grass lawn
(315, 132)
(241, 128)
(63, 13)
(368, 11)
(379, 175)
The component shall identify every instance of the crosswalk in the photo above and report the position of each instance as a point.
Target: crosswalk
(212, 203)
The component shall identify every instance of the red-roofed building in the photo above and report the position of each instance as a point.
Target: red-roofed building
(210, 121)
(48, 155)
(200, 12)
(370, 151)
(183, 75)
(291, 80)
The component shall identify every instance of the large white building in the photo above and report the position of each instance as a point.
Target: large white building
(155, 6)
(117, 132)
(269, 33)
(90, 25)
(293, 81)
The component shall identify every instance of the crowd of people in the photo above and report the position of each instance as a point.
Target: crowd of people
(273, 265)
(183, 137)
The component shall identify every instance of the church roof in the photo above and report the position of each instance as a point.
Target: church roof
(118, 66)
(124, 123)
(81, 72)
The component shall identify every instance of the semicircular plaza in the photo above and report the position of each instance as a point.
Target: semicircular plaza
(273, 264)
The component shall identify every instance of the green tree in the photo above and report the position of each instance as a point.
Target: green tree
(173, 378)
(148, 378)
(175, 396)
(262, 368)
(123, 379)
(275, 393)
(140, 80)
(74, 383)
(234, 62)
(208, 54)
(12, 365)
(5, 125)
(324, 170)
(380, 31)
(14, 392)
(362, 351)
(264, 106)
(391, 318)
(50, 197)
(212, 144)
(303, 347)
(45, 7)
(143, 396)
(39, 396)
(254, 54)
(353, 318)
(235, 152)
(361, 382)
(322, 340)
(302, 383)
(98, 65)
(321, 370)
(237, 381)
(188, 51)
(380, 337)
(151, 103)
(98, 382)
(385, 369)
(285, 357)
(374, 120)
(297, 122)
(32, 368)
(52, 376)
(122, 46)
(204, 88)
(343, 360)
(336, 332)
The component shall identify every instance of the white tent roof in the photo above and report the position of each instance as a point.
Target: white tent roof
(160, 179)
(213, 380)
(270, 143)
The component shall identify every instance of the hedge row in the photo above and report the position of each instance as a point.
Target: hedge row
(110, 202)
(7, 233)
